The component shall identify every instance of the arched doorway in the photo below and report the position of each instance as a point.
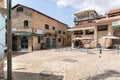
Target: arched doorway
(117, 34)
(77, 43)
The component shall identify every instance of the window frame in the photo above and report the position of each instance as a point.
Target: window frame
(19, 9)
(26, 23)
(46, 26)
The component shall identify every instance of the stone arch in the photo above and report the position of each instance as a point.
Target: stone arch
(117, 34)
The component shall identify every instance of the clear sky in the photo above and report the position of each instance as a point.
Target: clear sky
(63, 10)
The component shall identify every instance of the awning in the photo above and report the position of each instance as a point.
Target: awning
(116, 24)
(83, 28)
(26, 34)
(22, 34)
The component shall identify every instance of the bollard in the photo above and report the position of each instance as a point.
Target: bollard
(100, 52)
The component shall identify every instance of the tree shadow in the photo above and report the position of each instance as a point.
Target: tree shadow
(35, 76)
(105, 75)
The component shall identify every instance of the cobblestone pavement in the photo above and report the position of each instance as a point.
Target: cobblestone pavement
(67, 65)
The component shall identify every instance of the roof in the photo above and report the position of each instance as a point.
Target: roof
(82, 12)
(114, 11)
(84, 25)
(107, 20)
(39, 13)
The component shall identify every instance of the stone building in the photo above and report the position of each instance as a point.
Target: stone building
(33, 30)
(93, 26)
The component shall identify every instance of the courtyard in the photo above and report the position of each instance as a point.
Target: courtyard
(66, 64)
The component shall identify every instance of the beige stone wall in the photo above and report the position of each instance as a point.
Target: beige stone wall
(105, 42)
(18, 20)
(38, 21)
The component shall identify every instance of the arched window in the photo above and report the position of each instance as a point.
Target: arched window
(26, 24)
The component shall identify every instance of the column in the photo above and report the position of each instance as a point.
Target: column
(18, 43)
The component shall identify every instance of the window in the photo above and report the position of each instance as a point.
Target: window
(63, 32)
(59, 40)
(102, 27)
(20, 9)
(26, 24)
(89, 32)
(90, 21)
(53, 28)
(78, 32)
(46, 26)
(59, 32)
(38, 39)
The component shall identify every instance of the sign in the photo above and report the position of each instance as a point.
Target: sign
(14, 29)
(39, 31)
(2, 36)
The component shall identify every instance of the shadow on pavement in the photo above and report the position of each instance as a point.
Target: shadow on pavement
(105, 75)
(35, 76)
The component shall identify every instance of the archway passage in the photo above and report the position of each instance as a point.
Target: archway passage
(117, 34)
(78, 43)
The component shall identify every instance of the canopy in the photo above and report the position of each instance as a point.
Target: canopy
(116, 24)
(87, 38)
(83, 38)
(83, 28)
(110, 37)
(22, 34)
(78, 38)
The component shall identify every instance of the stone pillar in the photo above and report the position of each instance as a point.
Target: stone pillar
(18, 43)
(110, 32)
(30, 41)
(95, 36)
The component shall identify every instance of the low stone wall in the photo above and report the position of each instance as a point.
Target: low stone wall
(1, 69)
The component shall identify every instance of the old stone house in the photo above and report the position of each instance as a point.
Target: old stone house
(33, 30)
(91, 25)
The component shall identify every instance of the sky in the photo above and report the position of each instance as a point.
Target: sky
(63, 10)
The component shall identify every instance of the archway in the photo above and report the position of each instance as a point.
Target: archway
(117, 34)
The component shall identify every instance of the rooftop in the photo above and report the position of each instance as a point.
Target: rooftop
(114, 11)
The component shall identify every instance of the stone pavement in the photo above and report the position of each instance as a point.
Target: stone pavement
(67, 65)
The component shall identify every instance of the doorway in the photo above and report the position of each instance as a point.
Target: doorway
(24, 43)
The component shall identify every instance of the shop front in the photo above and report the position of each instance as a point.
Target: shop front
(22, 41)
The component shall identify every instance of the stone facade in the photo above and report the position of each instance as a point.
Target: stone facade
(36, 24)
(102, 26)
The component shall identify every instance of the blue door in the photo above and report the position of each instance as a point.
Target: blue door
(48, 43)
(53, 43)
(2, 36)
